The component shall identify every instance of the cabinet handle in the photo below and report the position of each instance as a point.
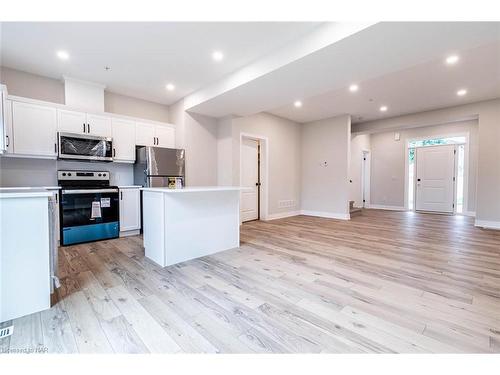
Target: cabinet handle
(8, 141)
(84, 127)
(55, 148)
(88, 128)
(114, 152)
(121, 195)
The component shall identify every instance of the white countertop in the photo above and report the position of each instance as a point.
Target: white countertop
(129, 186)
(197, 189)
(8, 189)
(25, 193)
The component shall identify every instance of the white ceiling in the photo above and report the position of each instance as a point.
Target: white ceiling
(143, 57)
(400, 65)
(422, 87)
(269, 65)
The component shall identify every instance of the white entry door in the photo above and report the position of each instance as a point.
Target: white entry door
(249, 204)
(435, 179)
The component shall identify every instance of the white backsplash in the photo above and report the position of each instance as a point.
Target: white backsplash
(40, 172)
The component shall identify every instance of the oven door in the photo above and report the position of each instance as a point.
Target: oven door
(89, 215)
(85, 147)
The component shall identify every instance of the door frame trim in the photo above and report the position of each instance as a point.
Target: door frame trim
(455, 179)
(365, 177)
(466, 169)
(264, 172)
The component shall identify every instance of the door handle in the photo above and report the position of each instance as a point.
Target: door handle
(418, 179)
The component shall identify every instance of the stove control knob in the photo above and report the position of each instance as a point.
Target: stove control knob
(64, 174)
(69, 174)
(99, 175)
(104, 174)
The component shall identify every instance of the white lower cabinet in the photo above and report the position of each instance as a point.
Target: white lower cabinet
(130, 210)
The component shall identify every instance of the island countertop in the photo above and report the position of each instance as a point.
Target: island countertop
(195, 189)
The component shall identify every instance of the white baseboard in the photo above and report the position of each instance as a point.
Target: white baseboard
(383, 207)
(130, 233)
(281, 215)
(469, 213)
(487, 224)
(329, 215)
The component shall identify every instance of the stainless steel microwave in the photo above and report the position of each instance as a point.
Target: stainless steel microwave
(85, 147)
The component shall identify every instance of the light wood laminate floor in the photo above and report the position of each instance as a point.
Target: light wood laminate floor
(382, 282)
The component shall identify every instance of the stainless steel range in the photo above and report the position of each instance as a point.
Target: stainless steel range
(89, 206)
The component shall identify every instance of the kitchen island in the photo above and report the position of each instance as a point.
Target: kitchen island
(27, 251)
(183, 224)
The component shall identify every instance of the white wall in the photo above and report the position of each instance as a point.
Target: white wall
(284, 157)
(325, 189)
(15, 172)
(488, 171)
(52, 90)
(359, 143)
(197, 134)
(389, 157)
(201, 150)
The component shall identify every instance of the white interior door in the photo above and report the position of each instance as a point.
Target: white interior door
(249, 204)
(435, 179)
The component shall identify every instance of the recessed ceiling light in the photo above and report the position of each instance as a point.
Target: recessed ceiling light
(383, 108)
(451, 60)
(63, 55)
(353, 88)
(297, 104)
(461, 92)
(170, 87)
(217, 56)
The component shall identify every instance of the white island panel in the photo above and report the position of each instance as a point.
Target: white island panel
(24, 253)
(199, 222)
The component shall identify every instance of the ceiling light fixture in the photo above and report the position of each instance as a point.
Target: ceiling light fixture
(353, 88)
(217, 56)
(383, 108)
(461, 92)
(63, 55)
(170, 87)
(451, 60)
(297, 104)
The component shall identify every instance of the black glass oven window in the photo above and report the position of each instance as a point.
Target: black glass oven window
(77, 209)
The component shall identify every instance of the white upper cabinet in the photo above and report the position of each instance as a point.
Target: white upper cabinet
(35, 129)
(71, 121)
(155, 135)
(83, 123)
(145, 134)
(165, 136)
(99, 125)
(29, 128)
(123, 132)
(8, 134)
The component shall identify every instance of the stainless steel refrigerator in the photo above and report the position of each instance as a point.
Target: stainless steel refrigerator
(155, 165)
